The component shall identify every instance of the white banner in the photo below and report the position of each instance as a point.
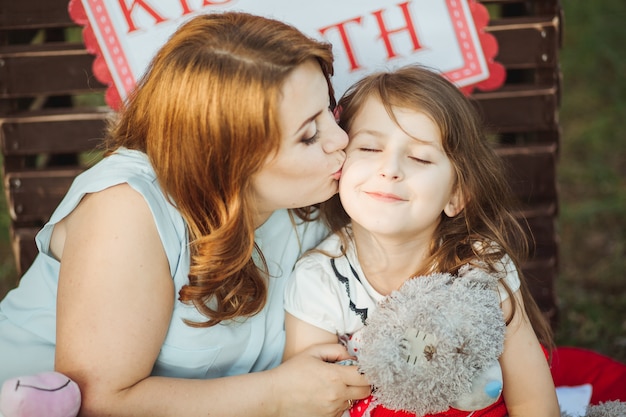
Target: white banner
(367, 35)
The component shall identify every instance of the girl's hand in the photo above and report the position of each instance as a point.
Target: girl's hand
(311, 384)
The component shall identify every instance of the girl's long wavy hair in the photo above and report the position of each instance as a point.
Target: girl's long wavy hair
(206, 114)
(487, 220)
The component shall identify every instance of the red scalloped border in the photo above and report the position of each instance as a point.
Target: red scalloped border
(480, 14)
(100, 69)
(497, 72)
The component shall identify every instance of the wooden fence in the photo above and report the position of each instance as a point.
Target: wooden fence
(47, 130)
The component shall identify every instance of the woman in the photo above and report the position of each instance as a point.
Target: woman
(160, 279)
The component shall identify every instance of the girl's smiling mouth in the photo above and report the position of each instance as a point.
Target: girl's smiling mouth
(384, 196)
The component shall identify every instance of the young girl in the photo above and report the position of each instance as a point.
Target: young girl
(421, 192)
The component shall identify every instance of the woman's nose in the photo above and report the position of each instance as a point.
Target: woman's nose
(337, 139)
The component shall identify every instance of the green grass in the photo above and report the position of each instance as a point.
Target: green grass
(592, 178)
(591, 286)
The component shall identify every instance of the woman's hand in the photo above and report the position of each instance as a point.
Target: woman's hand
(311, 384)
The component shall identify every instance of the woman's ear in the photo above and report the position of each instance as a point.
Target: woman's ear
(456, 203)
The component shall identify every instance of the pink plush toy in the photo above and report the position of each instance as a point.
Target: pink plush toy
(50, 394)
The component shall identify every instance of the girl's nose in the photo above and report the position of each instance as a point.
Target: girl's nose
(389, 175)
(390, 168)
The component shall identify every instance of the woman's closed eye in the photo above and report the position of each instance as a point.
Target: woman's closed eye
(311, 140)
(319, 121)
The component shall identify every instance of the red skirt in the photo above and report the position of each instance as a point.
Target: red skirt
(497, 409)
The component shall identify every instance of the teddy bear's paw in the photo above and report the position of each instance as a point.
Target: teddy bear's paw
(417, 347)
(486, 389)
(49, 394)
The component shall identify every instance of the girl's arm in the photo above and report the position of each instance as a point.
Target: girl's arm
(299, 335)
(528, 386)
(115, 302)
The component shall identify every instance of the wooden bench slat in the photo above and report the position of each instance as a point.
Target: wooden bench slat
(32, 196)
(542, 7)
(34, 14)
(73, 131)
(542, 231)
(536, 108)
(40, 49)
(540, 276)
(531, 172)
(24, 247)
(519, 109)
(526, 43)
(550, 208)
(68, 70)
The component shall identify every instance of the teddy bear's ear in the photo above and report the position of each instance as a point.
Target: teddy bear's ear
(476, 274)
(606, 409)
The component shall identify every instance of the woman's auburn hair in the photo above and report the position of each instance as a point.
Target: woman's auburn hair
(206, 114)
(487, 220)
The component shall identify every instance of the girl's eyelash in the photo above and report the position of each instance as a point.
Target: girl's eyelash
(421, 161)
(418, 160)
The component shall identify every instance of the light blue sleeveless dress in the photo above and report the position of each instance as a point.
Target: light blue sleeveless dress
(27, 314)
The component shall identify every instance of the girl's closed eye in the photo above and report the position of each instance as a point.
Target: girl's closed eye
(358, 144)
(424, 161)
(368, 149)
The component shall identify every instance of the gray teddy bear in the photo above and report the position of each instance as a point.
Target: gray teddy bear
(435, 344)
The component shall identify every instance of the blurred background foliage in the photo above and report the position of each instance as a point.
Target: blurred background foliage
(591, 285)
(592, 178)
